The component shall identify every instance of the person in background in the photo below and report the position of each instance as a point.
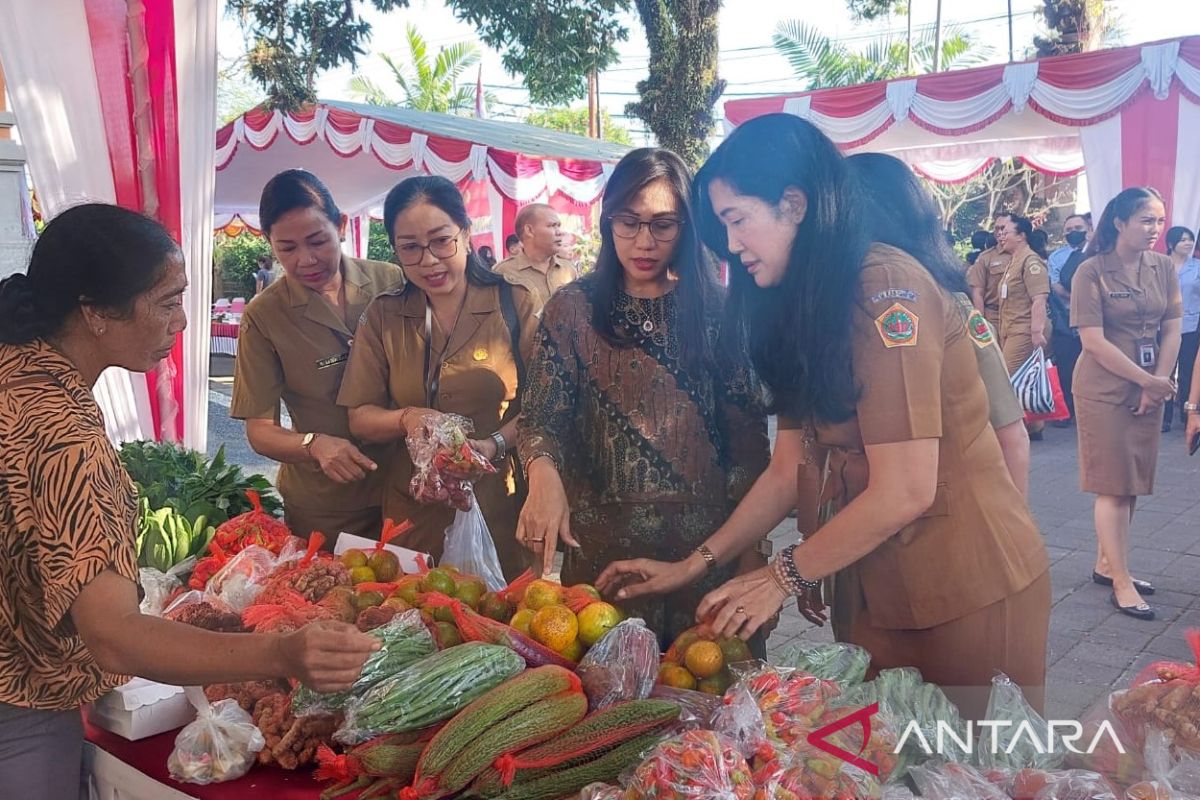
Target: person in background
(487, 257)
(539, 267)
(1125, 302)
(512, 246)
(104, 289)
(1181, 247)
(884, 441)
(1023, 289)
(987, 274)
(1064, 340)
(904, 215)
(640, 431)
(455, 339)
(264, 276)
(292, 349)
(980, 241)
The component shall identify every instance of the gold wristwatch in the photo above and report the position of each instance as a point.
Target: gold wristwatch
(307, 442)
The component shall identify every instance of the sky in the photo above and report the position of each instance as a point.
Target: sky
(748, 61)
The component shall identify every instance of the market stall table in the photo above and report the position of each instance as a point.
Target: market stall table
(125, 770)
(224, 339)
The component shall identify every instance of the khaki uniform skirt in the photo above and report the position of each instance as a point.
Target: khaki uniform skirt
(1118, 451)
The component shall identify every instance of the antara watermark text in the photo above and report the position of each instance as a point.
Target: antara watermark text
(996, 737)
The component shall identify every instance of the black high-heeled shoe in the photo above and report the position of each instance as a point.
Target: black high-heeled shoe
(1140, 611)
(1144, 587)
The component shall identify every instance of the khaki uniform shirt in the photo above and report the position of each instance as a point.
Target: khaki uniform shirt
(520, 271)
(986, 274)
(478, 380)
(293, 346)
(1003, 406)
(1130, 304)
(915, 363)
(1024, 279)
(68, 511)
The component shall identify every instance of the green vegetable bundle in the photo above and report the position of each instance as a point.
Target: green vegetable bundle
(833, 661)
(165, 537)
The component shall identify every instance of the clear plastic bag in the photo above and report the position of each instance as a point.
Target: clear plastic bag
(403, 640)
(844, 663)
(220, 745)
(1165, 695)
(159, 588)
(696, 765)
(740, 721)
(469, 546)
(1013, 746)
(950, 780)
(601, 791)
(202, 611)
(695, 708)
(1170, 770)
(622, 665)
(798, 775)
(444, 463)
(239, 583)
(1037, 784)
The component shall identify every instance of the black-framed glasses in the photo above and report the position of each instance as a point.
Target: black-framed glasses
(663, 229)
(411, 254)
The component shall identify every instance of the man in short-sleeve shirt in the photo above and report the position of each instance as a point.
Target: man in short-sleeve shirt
(539, 267)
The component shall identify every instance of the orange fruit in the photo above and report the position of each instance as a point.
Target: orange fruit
(521, 620)
(680, 646)
(409, 588)
(438, 580)
(447, 635)
(716, 684)
(364, 600)
(470, 590)
(704, 659)
(554, 626)
(354, 558)
(493, 606)
(541, 593)
(573, 651)
(734, 650)
(396, 602)
(596, 620)
(676, 677)
(385, 564)
(362, 575)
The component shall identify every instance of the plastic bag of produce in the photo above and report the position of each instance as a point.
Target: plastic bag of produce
(1165, 695)
(1014, 746)
(622, 665)
(474, 627)
(291, 612)
(601, 791)
(469, 547)
(219, 745)
(740, 721)
(1076, 784)
(444, 463)
(950, 780)
(696, 765)
(203, 611)
(244, 576)
(846, 664)
(696, 708)
(1106, 758)
(1172, 773)
(799, 775)
(403, 640)
(160, 588)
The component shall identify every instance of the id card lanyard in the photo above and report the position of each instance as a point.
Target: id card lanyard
(431, 383)
(1147, 349)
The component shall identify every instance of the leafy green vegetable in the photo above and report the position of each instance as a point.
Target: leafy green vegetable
(169, 476)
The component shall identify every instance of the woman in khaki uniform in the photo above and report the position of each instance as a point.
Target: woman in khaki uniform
(985, 276)
(935, 559)
(1125, 301)
(292, 347)
(1024, 288)
(444, 342)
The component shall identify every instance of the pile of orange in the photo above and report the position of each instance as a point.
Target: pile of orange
(700, 660)
(568, 620)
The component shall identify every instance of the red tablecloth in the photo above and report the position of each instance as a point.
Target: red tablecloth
(228, 330)
(149, 756)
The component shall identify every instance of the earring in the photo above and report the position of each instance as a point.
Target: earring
(99, 331)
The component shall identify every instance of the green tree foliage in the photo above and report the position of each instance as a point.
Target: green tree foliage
(378, 246)
(678, 94)
(428, 84)
(575, 120)
(1075, 26)
(235, 259)
(874, 9)
(824, 62)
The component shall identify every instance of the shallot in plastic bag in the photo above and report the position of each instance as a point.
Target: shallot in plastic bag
(445, 465)
(220, 745)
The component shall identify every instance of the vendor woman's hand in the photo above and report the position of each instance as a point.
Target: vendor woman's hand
(340, 460)
(546, 515)
(743, 605)
(326, 656)
(636, 577)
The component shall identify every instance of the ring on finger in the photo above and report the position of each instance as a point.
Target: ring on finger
(538, 540)
(740, 610)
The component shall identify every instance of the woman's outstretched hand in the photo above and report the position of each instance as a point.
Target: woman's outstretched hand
(743, 605)
(638, 577)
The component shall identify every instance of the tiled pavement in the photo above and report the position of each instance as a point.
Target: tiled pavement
(1092, 647)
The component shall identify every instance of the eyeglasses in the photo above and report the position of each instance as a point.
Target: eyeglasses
(411, 254)
(663, 229)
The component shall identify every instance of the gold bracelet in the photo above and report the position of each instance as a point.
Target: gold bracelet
(710, 560)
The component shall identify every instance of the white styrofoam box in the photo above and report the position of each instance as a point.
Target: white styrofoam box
(410, 560)
(142, 708)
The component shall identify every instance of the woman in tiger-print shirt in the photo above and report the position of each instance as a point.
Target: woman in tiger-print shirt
(104, 288)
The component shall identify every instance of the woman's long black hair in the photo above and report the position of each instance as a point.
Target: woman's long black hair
(695, 291)
(1122, 207)
(1175, 236)
(797, 333)
(901, 212)
(444, 195)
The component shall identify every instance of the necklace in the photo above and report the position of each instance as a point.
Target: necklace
(649, 318)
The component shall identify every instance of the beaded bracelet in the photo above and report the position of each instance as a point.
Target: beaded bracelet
(786, 566)
(540, 454)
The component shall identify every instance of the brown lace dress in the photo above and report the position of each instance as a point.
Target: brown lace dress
(654, 457)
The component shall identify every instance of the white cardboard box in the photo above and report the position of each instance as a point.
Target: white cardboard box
(410, 560)
(142, 708)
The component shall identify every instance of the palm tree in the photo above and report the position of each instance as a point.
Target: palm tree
(824, 62)
(428, 85)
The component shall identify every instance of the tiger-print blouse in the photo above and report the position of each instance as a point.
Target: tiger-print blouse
(68, 511)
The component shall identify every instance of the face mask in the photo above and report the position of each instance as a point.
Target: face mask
(1076, 238)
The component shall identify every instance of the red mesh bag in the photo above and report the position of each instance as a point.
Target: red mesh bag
(475, 627)
(292, 612)
(253, 527)
(1166, 696)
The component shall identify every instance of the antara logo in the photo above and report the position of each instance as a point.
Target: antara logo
(820, 738)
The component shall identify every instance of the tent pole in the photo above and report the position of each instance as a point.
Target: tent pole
(937, 39)
(1010, 32)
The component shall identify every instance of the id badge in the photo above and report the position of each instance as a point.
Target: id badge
(1004, 291)
(1147, 356)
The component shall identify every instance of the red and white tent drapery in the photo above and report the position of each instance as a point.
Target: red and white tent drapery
(116, 102)
(1129, 116)
(360, 152)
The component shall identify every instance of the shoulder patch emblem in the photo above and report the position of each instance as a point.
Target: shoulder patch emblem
(480, 354)
(1035, 269)
(897, 326)
(893, 294)
(980, 331)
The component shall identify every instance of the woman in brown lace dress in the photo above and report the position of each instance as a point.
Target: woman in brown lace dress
(639, 433)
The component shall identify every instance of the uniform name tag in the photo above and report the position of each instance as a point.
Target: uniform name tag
(1146, 355)
(332, 361)
(1120, 295)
